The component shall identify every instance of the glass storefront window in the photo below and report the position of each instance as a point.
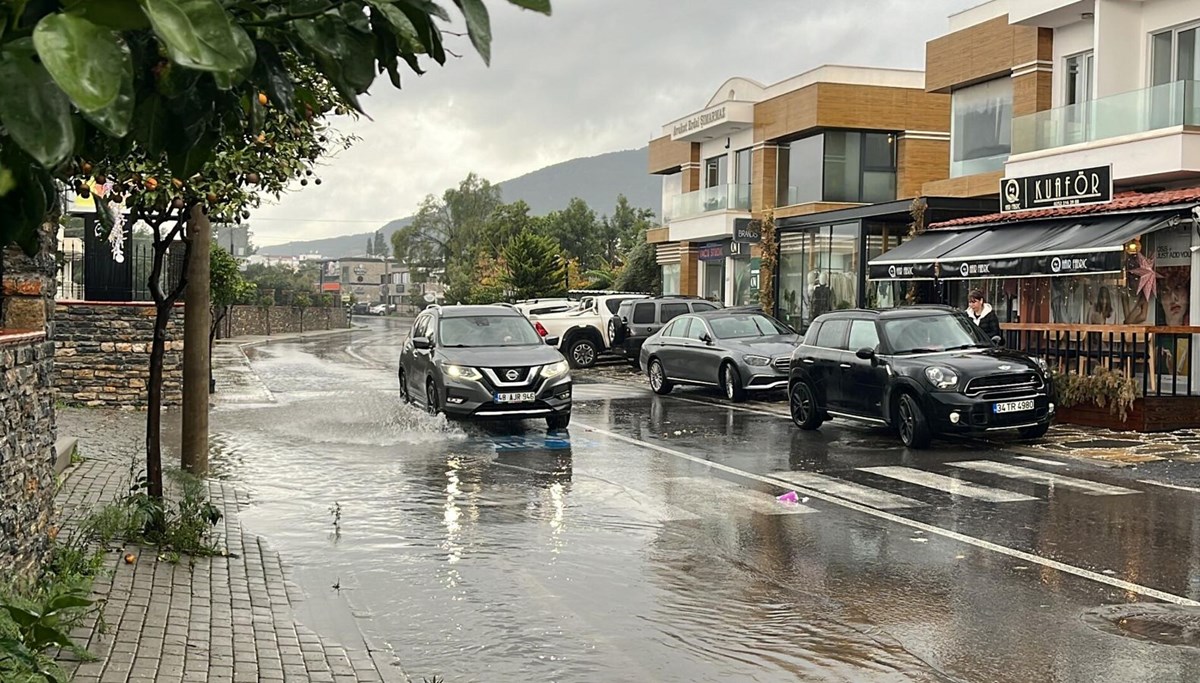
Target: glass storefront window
(670, 278)
(800, 170)
(818, 272)
(745, 282)
(714, 280)
(838, 166)
(1004, 295)
(980, 127)
(672, 187)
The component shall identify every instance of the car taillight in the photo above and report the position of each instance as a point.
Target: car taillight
(541, 329)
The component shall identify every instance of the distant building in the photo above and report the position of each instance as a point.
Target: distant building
(234, 239)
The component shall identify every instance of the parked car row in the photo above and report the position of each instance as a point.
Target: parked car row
(922, 370)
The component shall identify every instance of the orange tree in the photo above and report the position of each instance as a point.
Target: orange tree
(182, 109)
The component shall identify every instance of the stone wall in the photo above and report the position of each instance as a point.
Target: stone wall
(26, 451)
(267, 320)
(103, 354)
(27, 427)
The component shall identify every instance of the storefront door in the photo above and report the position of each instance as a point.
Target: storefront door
(714, 280)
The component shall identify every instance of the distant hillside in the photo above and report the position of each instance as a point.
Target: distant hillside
(597, 180)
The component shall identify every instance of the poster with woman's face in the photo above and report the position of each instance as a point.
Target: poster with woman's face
(1172, 261)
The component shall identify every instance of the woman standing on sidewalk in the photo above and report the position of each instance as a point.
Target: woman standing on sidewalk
(980, 312)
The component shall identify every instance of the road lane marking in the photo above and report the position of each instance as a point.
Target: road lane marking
(1169, 486)
(1091, 488)
(849, 490)
(955, 487)
(1088, 574)
(744, 409)
(705, 493)
(1041, 461)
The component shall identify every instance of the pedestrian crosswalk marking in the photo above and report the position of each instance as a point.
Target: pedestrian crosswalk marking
(600, 392)
(955, 487)
(866, 495)
(1091, 488)
(1041, 461)
(711, 493)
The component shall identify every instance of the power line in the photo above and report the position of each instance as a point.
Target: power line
(326, 220)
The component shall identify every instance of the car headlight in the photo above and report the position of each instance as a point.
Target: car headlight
(462, 372)
(942, 378)
(555, 369)
(1041, 363)
(756, 361)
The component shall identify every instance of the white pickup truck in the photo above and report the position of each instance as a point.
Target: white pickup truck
(583, 332)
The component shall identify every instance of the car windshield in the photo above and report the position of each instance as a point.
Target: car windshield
(488, 330)
(747, 325)
(929, 333)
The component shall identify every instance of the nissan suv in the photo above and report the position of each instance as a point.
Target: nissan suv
(484, 362)
(921, 370)
(637, 319)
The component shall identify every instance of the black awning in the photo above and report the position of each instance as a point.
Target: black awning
(917, 258)
(1048, 248)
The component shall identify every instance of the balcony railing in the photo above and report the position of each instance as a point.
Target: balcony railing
(716, 198)
(1138, 111)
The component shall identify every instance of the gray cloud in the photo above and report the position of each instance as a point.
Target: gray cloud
(593, 78)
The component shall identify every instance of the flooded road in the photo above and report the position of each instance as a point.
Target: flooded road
(647, 542)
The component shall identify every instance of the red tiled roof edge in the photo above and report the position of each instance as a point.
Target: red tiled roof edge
(1126, 201)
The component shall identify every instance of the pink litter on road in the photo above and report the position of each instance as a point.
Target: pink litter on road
(789, 497)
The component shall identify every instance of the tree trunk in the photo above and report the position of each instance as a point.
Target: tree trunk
(196, 358)
(154, 478)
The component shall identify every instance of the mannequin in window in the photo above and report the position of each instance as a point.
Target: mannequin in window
(822, 296)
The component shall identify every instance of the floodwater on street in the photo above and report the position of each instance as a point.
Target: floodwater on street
(646, 542)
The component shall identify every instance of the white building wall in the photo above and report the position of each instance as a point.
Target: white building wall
(1069, 40)
(1120, 55)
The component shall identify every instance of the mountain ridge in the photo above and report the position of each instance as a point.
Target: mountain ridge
(596, 179)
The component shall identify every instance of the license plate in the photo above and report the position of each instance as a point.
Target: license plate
(516, 397)
(1012, 407)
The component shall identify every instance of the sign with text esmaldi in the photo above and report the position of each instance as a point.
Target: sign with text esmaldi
(1065, 188)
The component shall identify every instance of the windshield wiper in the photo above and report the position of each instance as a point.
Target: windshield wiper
(968, 346)
(920, 350)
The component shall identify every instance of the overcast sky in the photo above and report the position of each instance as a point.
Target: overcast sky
(597, 76)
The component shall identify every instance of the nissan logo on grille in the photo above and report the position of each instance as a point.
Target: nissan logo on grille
(512, 375)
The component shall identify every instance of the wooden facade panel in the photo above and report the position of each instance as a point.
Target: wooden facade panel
(658, 235)
(840, 105)
(1032, 92)
(667, 155)
(919, 162)
(811, 207)
(979, 185)
(689, 270)
(977, 53)
(764, 179)
(1031, 44)
(691, 178)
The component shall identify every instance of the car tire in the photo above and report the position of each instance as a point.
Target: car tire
(911, 423)
(558, 421)
(433, 401)
(802, 403)
(731, 383)
(404, 395)
(616, 332)
(657, 375)
(582, 353)
(1035, 432)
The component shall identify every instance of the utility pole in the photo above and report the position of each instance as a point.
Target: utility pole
(196, 371)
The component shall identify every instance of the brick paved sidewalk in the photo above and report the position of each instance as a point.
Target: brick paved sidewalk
(203, 619)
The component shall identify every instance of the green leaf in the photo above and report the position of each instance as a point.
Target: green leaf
(68, 601)
(542, 6)
(45, 636)
(87, 61)
(278, 81)
(116, 118)
(425, 7)
(199, 34)
(479, 27)
(21, 617)
(36, 113)
(152, 123)
(186, 157)
(123, 15)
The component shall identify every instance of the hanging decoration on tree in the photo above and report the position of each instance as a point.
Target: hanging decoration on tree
(1147, 284)
(111, 219)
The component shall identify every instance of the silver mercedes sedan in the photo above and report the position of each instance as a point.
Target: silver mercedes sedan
(738, 351)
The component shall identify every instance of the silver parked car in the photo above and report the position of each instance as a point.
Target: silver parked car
(737, 350)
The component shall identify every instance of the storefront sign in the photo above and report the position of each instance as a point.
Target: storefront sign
(698, 122)
(901, 271)
(747, 231)
(1083, 186)
(713, 251)
(1035, 266)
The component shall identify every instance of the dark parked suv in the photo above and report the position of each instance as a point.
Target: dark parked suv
(484, 362)
(637, 319)
(922, 370)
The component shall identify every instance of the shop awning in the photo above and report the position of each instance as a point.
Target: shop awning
(917, 258)
(1047, 248)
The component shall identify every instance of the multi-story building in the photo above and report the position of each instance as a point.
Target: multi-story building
(1082, 118)
(836, 153)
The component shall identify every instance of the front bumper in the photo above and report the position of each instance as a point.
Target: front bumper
(953, 412)
(763, 378)
(476, 399)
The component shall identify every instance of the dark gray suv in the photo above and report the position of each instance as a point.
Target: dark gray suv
(484, 362)
(637, 319)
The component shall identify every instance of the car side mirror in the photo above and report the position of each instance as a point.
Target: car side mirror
(998, 340)
(865, 354)
(706, 338)
(422, 343)
(551, 341)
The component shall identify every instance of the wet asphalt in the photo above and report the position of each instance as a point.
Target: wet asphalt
(647, 544)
